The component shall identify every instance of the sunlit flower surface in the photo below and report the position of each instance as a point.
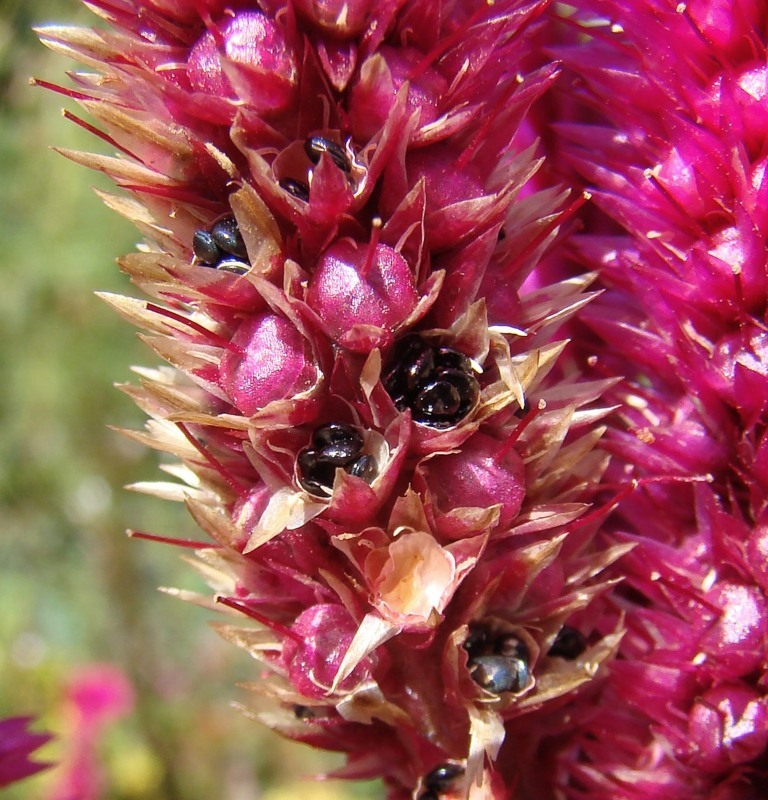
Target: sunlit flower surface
(479, 560)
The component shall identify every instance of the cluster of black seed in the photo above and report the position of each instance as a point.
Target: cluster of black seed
(222, 247)
(439, 779)
(314, 147)
(569, 644)
(436, 382)
(333, 446)
(498, 664)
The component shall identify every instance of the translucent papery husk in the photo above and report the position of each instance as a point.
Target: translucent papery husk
(314, 190)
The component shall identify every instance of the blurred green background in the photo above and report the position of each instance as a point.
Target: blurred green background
(74, 590)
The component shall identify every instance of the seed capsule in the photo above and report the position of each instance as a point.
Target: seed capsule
(337, 443)
(498, 674)
(315, 146)
(226, 235)
(205, 248)
(295, 188)
(569, 644)
(441, 777)
(435, 381)
(364, 467)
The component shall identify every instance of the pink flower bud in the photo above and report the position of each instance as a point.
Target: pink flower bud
(341, 19)
(373, 96)
(479, 475)
(274, 363)
(728, 725)
(251, 47)
(353, 287)
(326, 631)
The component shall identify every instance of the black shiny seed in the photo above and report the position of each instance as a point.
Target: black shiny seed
(476, 641)
(418, 370)
(315, 476)
(364, 467)
(227, 236)
(449, 358)
(233, 265)
(303, 712)
(429, 796)
(205, 248)
(465, 385)
(442, 776)
(315, 146)
(511, 647)
(435, 381)
(295, 188)
(569, 644)
(438, 399)
(499, 674)
(337, 443)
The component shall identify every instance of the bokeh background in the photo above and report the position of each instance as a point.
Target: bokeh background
(82, 625)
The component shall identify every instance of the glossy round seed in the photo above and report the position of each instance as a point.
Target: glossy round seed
(511, 647)
(569, 644)
(315, 477)
(364, 467)
(227, 236)
(295, 188)
(453, 359)
(418, 370)
(437, 399)
(205, 248)
(315, 146)
(499, 674)
(303, 712)
(476, 641)
(465, 384)
(442, 776)
(233, 265)
(338, 443)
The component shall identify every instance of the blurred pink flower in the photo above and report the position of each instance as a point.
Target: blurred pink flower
(95, 696)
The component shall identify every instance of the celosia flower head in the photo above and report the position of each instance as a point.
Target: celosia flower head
(341, 208)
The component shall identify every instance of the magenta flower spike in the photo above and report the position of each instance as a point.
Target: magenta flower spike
(342, 204)
(665, 122)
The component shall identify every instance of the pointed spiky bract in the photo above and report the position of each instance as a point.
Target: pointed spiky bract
(370, 417)
(679, 172)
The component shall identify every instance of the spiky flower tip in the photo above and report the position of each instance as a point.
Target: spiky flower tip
(681, 173)
(17, 744)
(371, 421)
